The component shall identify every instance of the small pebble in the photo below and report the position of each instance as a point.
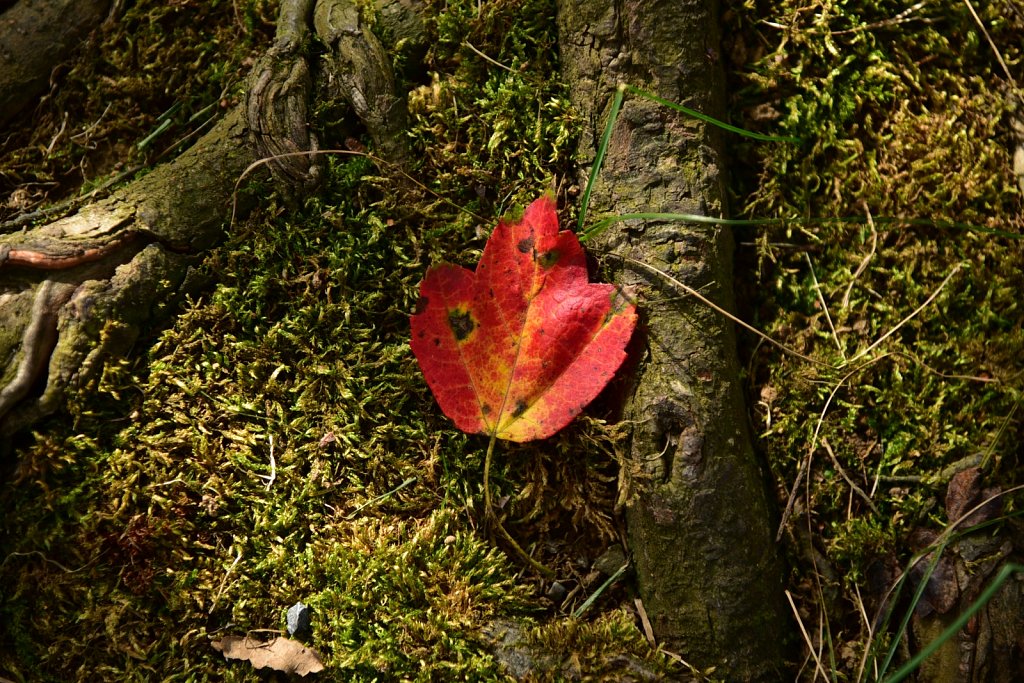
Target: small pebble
(298, 618)
(556, 593)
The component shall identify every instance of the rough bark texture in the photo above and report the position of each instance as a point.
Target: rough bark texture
(363, 74)
(82, 288)
(34, 38)
(698, 517)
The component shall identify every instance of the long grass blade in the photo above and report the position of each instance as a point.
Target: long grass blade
(599, 159)
(905, 621)
(910, 667)
(711, 119)
(603, 224)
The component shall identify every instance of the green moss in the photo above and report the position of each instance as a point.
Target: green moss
(492, 132)
(578, 648)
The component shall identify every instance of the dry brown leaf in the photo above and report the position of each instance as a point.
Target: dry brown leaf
(282, 654)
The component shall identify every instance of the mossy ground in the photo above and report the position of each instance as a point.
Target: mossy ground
(903, 113)
(277, 442)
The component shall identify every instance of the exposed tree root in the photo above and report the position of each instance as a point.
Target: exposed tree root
(79, 289)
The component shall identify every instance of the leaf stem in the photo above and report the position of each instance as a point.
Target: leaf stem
(493, 517)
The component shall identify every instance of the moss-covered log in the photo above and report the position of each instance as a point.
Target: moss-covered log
(699, 519)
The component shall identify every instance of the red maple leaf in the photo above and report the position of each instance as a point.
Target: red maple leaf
(518, 348)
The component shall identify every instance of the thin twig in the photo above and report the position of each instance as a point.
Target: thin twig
(224, 581)
(913, 314)
(273, 466)
(824, 634)
(806, 464)
(85, 133)
(995, 50)
(348, 152)
(824, 306)
(842, 473)
(819, 669)
(645, 622)
(863, 265)
(901, 18)
(944, 375)
(57, 136)
(44, 558)
(489, 59)
(715, 307)
(176, 480)
(871, 633)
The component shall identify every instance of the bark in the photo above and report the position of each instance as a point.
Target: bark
(34, 38)
(80, 289)
(698, 517)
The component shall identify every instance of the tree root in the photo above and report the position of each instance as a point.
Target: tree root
(77, 290)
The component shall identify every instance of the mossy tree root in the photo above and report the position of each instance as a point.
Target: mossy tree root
(77, 290)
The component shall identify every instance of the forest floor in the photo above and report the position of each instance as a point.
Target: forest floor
(276, 443)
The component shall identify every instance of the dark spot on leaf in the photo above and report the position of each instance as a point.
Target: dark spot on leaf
(437, 341)
(485, 409)
(525, 246)
(548, 258)
(462, 324)
(520, 408)
(421, 304)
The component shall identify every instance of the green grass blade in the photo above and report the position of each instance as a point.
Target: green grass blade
(602, 149)
(600, 589)
(1004, 573)
(599, 159)
(603, 224)
(905, 622)
(710, 119)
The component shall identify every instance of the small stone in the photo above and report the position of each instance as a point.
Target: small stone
(556, 593)
(298, 618)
